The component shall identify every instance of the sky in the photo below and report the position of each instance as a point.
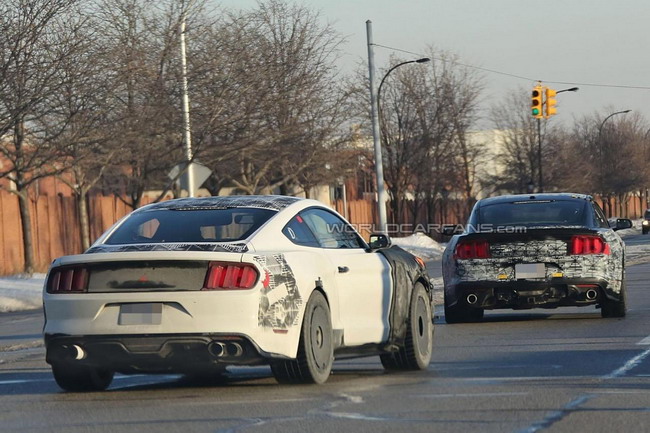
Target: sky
(563, 43)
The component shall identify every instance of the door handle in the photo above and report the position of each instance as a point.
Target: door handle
(343, 269)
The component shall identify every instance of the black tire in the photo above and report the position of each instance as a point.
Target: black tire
(644, 230)
(610, 308)
(315, 350)
(461, 313)
(418, 345)
(81, 378)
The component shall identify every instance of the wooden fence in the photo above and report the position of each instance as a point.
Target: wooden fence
(55, 228)
(55, 223)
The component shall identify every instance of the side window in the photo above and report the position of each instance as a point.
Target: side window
(298, 232)
(330, 230)
(599, 216)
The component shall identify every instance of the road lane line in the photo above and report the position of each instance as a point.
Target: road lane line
(644, 342)
(629, 365)
(557, 415)
(485, 394)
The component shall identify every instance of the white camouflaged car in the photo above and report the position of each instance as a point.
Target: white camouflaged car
(194, 285)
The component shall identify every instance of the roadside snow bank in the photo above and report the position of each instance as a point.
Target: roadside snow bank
(421, 245)
(19, 293)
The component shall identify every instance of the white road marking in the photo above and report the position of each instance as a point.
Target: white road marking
(557, 415)
(644, 342)
(629, 365)
(485, 394)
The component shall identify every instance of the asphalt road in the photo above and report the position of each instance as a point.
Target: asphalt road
(564, 370)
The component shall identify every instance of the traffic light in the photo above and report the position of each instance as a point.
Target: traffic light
(550, 103)
(536, 102)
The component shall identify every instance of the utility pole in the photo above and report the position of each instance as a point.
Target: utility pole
(379, 166)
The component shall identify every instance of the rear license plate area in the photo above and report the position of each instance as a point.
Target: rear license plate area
(525, 271)
(145, 313)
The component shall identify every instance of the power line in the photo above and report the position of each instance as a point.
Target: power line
(493, 71)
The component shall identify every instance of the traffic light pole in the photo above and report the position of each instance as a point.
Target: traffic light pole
(539, 154)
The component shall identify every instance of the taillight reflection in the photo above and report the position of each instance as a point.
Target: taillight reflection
(68, 280)
(230, 276)
(588, 244)
(472, 249)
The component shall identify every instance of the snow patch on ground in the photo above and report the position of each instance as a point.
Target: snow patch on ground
(421, 245)
(19, 293)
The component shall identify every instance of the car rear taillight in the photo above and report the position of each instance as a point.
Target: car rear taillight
(472, 249)
(588, 244)
(68, 280)
(230, 276)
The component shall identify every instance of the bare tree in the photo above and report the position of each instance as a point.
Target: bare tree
(426, 113)
(36, 39)
(141, 57)
(279, 104)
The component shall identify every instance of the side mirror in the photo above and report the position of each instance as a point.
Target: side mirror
(622, 223)
(379, 240)
(450, 230)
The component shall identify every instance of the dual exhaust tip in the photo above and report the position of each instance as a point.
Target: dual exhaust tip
(216, 349)
(219, 349)
(590, 295)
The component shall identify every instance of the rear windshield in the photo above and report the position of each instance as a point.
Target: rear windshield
(527, 213)
(193, 225)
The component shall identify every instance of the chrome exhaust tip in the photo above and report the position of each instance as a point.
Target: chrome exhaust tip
(591, 294)
(77, 352)
(235, 349)
(472, 299)
(217, 349)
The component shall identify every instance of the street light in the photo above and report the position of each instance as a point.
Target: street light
(379, 169)
(600, 148)
(379, 164)
(600, 129)
(572, 89)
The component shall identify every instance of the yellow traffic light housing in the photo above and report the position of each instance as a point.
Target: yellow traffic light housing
(536, 102)
(550, 103)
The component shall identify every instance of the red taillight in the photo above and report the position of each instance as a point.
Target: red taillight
(229, 276)
(472, 249)
(588, 244)
(68, 280)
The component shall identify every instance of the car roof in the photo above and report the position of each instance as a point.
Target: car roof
(271, 202)
(533, 197)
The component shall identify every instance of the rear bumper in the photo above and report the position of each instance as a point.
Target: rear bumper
(524, 294)
(154, 353)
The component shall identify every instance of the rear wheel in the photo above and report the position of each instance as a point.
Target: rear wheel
(315, 350)
(80, 378)
(418, 345)
(610, 308)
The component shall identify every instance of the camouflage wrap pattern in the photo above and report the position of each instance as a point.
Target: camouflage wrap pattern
(273, 202)
(280, 299)
(211, 247)
(553, 253)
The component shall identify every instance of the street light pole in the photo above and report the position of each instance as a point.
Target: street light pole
(600, 149)
(376, 132)
(187, 134)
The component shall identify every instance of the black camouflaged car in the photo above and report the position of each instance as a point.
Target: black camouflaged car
(534, 251)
